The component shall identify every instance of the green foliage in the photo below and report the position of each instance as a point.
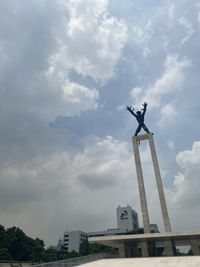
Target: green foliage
(86, 248)
(14, 244)
(136, 231)
(38, 250)
(50, 254)
(4, 254)
(62, 254)
(73, 254)
(53, 254)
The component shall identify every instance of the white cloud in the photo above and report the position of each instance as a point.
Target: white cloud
(171, 144)
(146, 52)
(188, 28)
(95, 39)
(170, 82)
(34, 66)
(90, 42)
(142, 34)
(58, 37)
(185, 197)
(80, 96)
(190, 158)
(198, 13)
(171, 12)
(168, 113)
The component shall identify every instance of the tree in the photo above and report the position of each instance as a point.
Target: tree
(37, 250)
(84, 248)
(62, 254)
(18, 244)
(50, 254)
(87, 248)
(135, 231)
(3, 242)
(73, 254)
(14, 244)
(4, 254)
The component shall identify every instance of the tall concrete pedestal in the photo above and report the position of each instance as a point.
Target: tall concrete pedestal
(145, 215)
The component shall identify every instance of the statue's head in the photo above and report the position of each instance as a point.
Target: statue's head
(138, 112)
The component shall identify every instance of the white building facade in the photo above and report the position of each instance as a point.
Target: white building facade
(127, 218)
(73, 239)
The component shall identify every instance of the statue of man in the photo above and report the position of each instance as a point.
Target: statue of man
(139, 117)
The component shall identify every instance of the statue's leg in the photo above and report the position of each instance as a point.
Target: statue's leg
(138, 129)
(145, 128)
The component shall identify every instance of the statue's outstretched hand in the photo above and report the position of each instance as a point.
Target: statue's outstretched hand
(129, 108)
(145, 104)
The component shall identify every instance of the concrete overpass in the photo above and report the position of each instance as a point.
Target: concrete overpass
(145, 245)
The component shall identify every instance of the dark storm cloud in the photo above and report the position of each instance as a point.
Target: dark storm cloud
(36, 159)
(93, 181)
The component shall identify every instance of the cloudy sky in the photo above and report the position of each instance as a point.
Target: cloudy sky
(68, 69)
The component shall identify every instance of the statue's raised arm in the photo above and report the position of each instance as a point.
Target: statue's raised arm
(131, 110)
(145, 108)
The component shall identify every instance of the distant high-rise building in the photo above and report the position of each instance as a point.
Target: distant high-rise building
(127, 218)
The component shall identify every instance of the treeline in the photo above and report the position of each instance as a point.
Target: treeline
(16, 246)
(52, 254)
(87, 248)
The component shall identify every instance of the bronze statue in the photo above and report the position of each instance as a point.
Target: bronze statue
(139, 117)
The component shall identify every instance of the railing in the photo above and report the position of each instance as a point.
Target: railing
(77, 261)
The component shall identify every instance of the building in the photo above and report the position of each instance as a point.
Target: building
(73, 239)
(127, 219)
(113, 231)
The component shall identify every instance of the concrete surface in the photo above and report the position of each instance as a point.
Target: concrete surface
(186, 261)
(15, 264)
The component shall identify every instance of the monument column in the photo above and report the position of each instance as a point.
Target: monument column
(195, 244)
(168, 248)
(143, 201)
(136, 140)
(124, 251)
(144, 248)
(159, 184)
